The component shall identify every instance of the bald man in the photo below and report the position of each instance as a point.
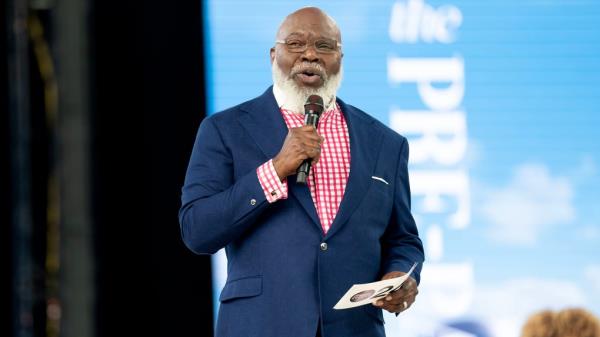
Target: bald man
(293, 249)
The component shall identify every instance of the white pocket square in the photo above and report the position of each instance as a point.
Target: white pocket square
(380, 179)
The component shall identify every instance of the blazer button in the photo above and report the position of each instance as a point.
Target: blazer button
(323, 246)
(252, 202)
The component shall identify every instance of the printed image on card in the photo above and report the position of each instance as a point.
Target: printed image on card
(367, 293)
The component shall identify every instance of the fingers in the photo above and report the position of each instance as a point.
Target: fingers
(309, 149)
(399, 300)
(312, 147)
(309, 132)
(399, 296)
(309, 142)
(396, 308)
(395, 305)
(300, 144)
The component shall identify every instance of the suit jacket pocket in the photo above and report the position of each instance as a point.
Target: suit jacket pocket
(245, 287)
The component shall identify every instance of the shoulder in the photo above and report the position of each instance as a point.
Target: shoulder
(234, 112)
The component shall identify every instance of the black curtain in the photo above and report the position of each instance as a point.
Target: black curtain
(6, 248)
(148, 99)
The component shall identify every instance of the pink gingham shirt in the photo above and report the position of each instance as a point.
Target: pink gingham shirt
(327, 179)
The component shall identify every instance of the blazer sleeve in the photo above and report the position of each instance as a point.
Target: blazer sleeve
(401, 244)
(216, 209)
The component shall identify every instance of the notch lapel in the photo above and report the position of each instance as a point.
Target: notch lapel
(265, 125)
(365, 143)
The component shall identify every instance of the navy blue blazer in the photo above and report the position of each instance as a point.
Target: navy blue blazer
(281, 279)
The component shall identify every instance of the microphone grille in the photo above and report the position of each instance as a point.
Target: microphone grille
(314, 104)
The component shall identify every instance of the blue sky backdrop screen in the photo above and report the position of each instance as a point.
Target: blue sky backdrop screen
(500, 101)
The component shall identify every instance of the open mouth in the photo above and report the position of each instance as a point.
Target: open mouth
(310, 73)
(309, 76)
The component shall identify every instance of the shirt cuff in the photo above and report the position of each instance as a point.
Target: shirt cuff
(269, 181)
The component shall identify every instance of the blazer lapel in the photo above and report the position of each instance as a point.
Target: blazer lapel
(265, 125)
(302, 194)
(365, 143)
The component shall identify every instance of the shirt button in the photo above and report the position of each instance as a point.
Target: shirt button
(252, 202)
(323, 246)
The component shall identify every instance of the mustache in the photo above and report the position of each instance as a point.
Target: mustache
(312, 67)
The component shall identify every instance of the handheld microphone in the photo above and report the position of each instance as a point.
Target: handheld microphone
(312, 111)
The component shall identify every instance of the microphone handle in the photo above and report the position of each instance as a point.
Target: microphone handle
(303, 170)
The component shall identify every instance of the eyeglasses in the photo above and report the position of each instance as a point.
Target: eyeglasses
(322, 46)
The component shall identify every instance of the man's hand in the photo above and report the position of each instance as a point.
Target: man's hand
(401, 299)
(300, 144)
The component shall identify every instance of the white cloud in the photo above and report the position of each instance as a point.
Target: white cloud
(501, 307)
(592, 275)
(585, 170)
(475, 154)
(532, 201)
(506, 306)
(588, 232)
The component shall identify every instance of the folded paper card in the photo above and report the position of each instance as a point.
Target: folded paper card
(367, 293)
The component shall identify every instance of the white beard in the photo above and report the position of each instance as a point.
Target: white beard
(295, 96)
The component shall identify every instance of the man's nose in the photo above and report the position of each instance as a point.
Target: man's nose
(310, 54)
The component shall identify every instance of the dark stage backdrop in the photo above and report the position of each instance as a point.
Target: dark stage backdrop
(5, 187)
(148, 99)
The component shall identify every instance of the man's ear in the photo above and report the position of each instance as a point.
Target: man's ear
(272, 53)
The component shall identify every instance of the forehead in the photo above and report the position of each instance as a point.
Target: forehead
(308, 24)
